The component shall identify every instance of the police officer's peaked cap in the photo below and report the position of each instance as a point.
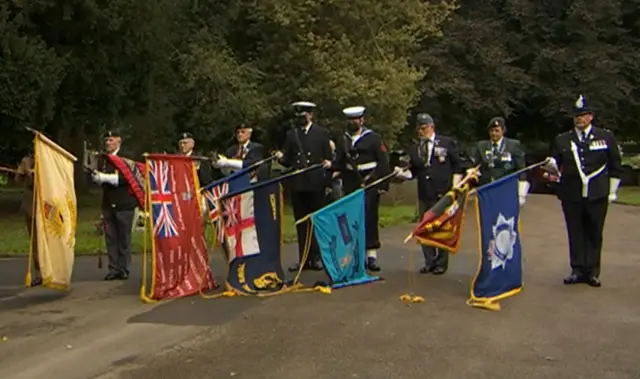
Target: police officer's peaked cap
(496, 121)
(303, 106)
(111, 133)
(424, 119)
(185, 135)
(581, 106)
(354, 112)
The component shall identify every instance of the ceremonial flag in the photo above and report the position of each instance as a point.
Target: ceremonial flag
(441, 226)
(133, 173)
(253, 238)
(214, 191)
(500, 270)
(339, 230)
(55, 212)
(179, 254)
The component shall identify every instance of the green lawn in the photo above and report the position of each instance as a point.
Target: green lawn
(629, 195)
(14, 240)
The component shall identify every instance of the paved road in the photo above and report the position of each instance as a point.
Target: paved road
(101, 330)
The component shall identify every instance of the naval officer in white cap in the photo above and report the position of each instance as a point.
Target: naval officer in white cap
(361, 158)
(306, 144)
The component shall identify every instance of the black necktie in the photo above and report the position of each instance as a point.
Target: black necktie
(495, 149)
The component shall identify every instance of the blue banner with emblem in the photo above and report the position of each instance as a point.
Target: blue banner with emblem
(253, 238)
(339, 230)
(500, 269)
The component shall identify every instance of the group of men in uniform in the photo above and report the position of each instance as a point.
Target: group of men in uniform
(586, 159)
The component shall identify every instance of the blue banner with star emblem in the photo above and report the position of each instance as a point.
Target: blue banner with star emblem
(500, 270)
(339, 230)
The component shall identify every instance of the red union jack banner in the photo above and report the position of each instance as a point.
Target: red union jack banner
(215, 215)
(164, 224)
(181, 265)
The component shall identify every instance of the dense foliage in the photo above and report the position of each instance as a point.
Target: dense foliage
(153, 68)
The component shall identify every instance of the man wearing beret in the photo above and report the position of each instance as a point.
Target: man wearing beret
(500, 156)
(435, 163)
(243, 154)
(186, 144)
(118, 209)
(590, 165)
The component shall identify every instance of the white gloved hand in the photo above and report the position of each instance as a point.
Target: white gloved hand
(550, 165)
(614, 183)
(523, 190)
(326, 164)
(99, 177)
(221, 162)
(279, 154)
(472, 171)
(457, 178)
(402, 173)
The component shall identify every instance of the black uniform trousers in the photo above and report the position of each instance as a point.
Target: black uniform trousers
(371, 213)
(304, 203)
(433, 257)
(585, 223)
(118, 225)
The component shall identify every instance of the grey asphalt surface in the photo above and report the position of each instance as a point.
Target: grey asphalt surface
(102, 330)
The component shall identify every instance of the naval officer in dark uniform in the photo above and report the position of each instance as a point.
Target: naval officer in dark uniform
(186, 145)
(118, 209)
(500, 156)
(435, 162)
(362, 158)
(590, 165)
(243, 154)
(306, 144)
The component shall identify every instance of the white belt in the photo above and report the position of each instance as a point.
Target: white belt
(584, 177)
(364, 166)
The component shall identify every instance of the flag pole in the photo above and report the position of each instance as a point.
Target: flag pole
(530, 167)
(472, 173)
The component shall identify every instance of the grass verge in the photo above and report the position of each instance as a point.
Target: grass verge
(629, 195)
(14, 238)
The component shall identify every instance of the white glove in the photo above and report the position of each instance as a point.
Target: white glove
(523, 190)
(102, 178)
(221, 162)
(457, 178)
(473, 170)
(326, 164)
(402, 173)
(614, 183)
(278, 154)
(550, 165)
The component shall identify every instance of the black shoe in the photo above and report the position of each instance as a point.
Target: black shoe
(36, 282)
(112, 276)
(316, 265)
(123, 275)
(372, 265)
(574, 279)
(592, 281)
(427, 269)
(438, 270)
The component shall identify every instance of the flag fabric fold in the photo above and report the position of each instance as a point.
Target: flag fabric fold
(441, 226)
(55, 212)
(500, 273)
(134, 173)
(216, 190)
(252, 226)
(339, 230)
(180, 259)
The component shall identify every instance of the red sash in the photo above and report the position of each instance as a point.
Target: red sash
(133, 173)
